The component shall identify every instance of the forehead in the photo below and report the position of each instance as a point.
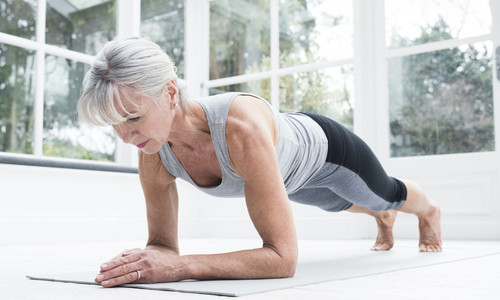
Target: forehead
(130, 103)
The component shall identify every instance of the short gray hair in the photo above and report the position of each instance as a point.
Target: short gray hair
(123, 66)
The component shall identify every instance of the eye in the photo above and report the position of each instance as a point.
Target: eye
(135, 119)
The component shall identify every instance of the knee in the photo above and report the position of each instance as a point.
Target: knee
(413, 190)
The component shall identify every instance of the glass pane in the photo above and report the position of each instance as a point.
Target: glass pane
(18, 18)
(62, 134)
(413, 22)
(17, 94)
(312, 31)
(442, 101)
(162, 21)
(261, 88)
(83, 26)
(239, 37)
(325, 91)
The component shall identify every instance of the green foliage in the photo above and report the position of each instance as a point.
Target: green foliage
(239, 36)
(65, 148)
(244, 49)
(84, 31)
(16, 78)
(442, 101)
(163, 22)
(312, 92)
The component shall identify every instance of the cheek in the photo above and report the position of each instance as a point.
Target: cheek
(117, 131)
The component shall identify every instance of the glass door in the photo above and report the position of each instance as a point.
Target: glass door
(440, 77)
(442, 87)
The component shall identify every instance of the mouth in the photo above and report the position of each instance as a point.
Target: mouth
(142, 145)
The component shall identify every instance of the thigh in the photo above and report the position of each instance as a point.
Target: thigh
(320, 197)
(358, 176)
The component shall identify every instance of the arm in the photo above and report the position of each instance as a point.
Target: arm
(162, 248)
(251, 134)
(162, 204)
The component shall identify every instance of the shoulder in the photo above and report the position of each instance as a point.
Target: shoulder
(251, 131)
(248, 113)
(245, 105)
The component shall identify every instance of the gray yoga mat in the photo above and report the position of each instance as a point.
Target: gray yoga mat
(314, 268)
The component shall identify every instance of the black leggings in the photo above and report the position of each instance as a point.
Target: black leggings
(351, 175)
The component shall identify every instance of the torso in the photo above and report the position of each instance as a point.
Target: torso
(197, 155)
(193, 156)
(200, 161)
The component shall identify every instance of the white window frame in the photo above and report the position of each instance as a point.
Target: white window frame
(128, 23)
(276, 71)
(466, 185)
(369, 61)
(460, 176)
(383, 54)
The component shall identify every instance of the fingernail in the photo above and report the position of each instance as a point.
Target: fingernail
(99, 277)
(103, 266)
(105, 282)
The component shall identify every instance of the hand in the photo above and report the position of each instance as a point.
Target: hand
(140, 266)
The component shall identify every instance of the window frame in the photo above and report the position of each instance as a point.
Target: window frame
(385, 53)
(275, 71)
(369, 60)
(126, 158)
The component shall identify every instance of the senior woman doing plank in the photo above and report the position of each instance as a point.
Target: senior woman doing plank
(234, 145)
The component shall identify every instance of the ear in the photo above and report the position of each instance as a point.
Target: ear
(172, 91)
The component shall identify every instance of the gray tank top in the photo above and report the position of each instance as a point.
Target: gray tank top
(301, 148)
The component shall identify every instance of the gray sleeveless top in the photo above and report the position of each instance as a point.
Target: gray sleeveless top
(301, 148)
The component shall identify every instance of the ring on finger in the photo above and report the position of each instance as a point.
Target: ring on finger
(138, 275)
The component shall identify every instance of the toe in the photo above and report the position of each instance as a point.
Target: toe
(429, 248)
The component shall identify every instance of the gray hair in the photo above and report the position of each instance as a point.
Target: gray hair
(124, 66)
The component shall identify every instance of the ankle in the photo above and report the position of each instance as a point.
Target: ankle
(386, 218)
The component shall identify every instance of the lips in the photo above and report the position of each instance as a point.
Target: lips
(142, 145)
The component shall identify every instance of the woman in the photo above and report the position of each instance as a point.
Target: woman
(234, 145)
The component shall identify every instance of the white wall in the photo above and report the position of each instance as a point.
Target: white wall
(469, 201)
(50, 205)
(41, 205)
(53, 205)
(466, 186)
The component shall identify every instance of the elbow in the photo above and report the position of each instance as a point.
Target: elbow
(287, 265)
(291, 266)
(288, 269)
(283, 263)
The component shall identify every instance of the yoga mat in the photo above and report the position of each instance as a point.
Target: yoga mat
(337, 264)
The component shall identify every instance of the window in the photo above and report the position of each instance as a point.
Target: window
(307, 66)
(298, 54)
(440, 60)
(163, 22)
(42, 68)
(326, 91)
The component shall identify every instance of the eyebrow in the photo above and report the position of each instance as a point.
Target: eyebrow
(125, 115)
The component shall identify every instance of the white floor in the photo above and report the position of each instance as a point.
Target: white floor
(476, 278)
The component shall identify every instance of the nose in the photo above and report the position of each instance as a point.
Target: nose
(125, 133)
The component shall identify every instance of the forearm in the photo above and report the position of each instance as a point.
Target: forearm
(247, 264)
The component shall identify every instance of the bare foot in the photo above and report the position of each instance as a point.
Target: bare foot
(385, 239)
(430, 230)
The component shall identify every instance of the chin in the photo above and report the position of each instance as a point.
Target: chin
(150, 151)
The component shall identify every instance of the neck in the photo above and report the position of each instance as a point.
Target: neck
(187, 127)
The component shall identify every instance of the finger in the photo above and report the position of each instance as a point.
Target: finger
(126, 278)
(120, 261)
(125, 253)
(119, 271)
(130, 251)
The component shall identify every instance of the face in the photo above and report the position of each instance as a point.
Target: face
(149, 123)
